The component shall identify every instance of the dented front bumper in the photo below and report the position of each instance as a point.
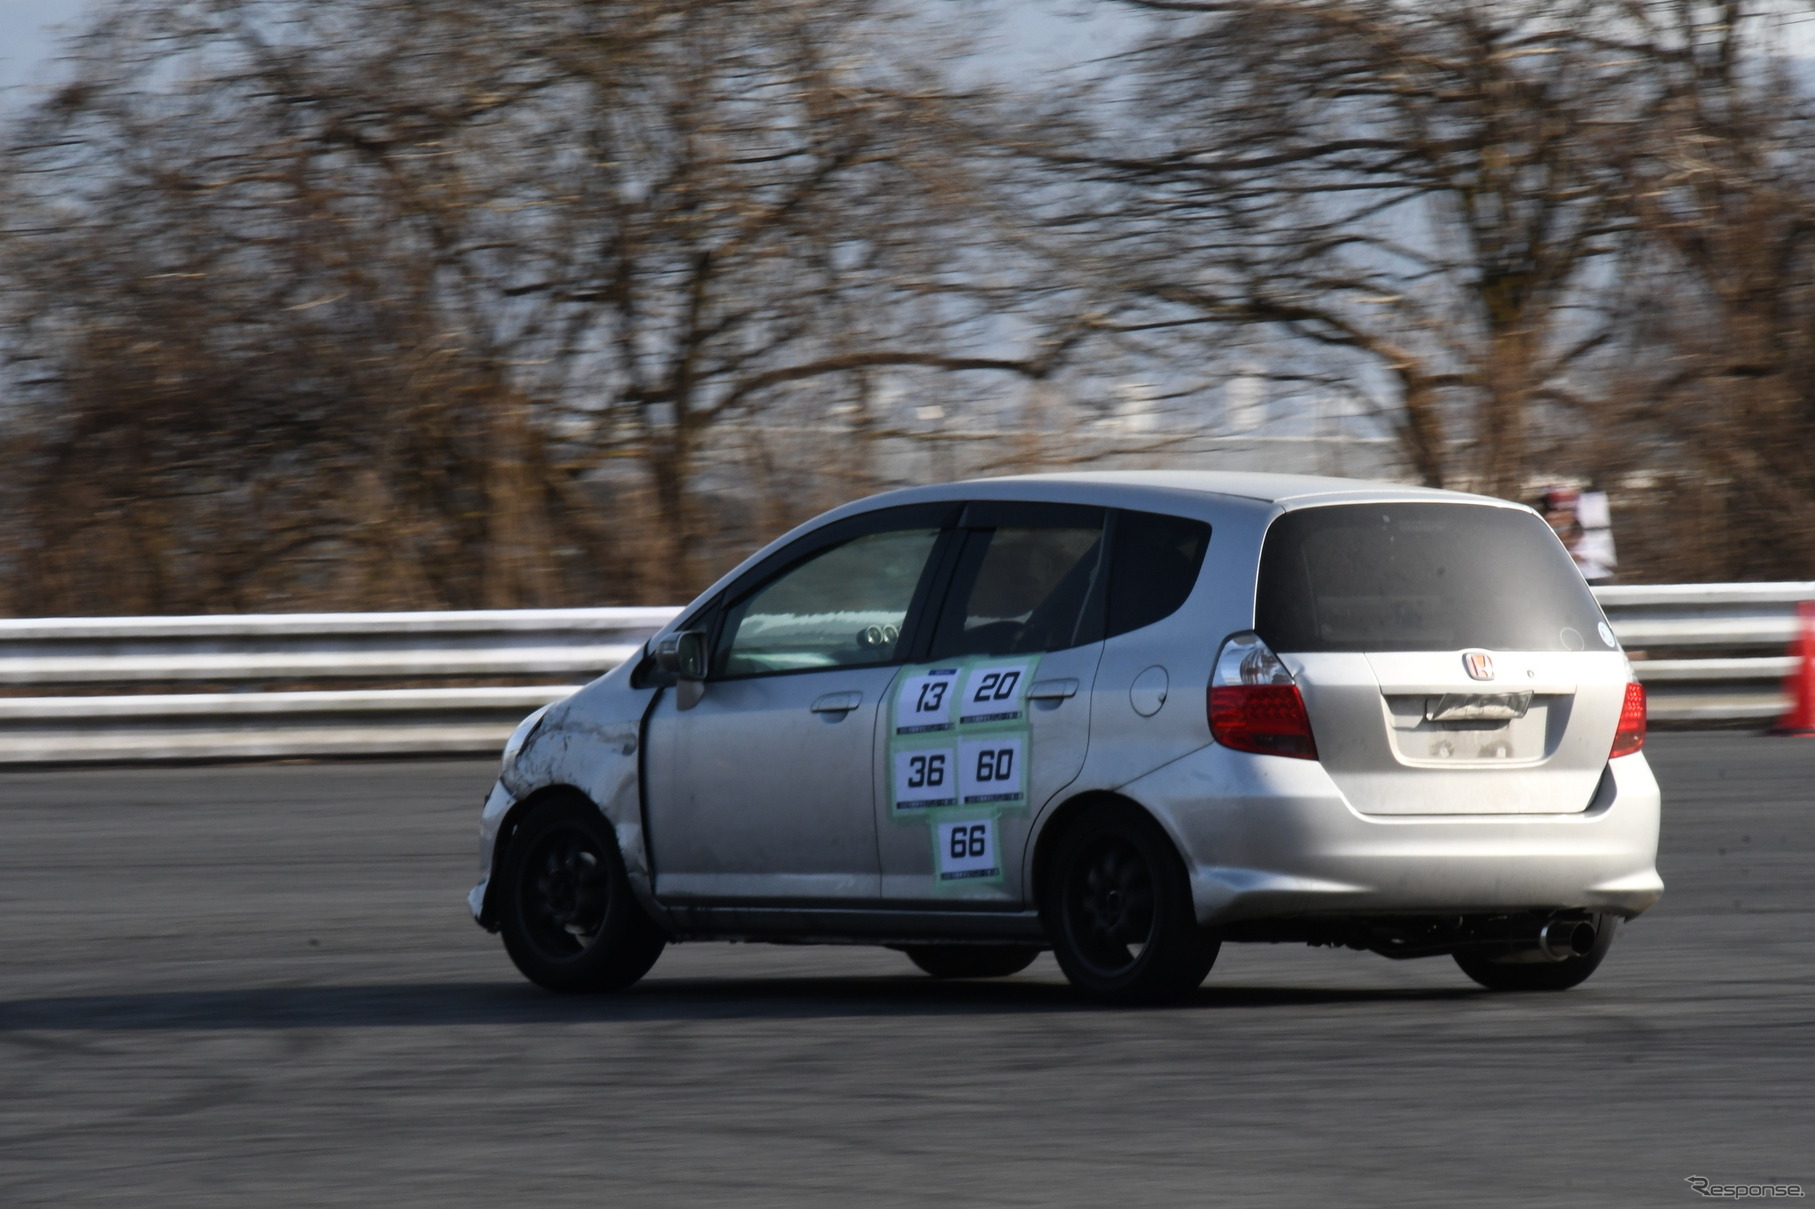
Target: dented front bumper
(497, 805)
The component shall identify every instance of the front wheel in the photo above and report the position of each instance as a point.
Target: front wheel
(1520, 972)
(569, 919)
(1117, 904)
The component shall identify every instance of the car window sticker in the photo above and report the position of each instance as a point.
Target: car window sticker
(960, 742)
(924, 776)
(995, 690)
(965, 852)
(943, 753)
(927, 700)
(992, 770)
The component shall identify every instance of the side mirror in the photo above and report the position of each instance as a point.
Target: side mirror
(683, 656)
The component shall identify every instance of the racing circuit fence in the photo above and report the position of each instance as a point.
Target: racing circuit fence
(76, 690)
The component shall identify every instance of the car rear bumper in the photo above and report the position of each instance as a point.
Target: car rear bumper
(1270, 837)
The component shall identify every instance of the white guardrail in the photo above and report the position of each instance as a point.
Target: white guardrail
(295, 684)
(130, 689)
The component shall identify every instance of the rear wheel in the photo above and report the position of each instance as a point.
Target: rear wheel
(971, 961)
(1117, 904)
(1528, 971)
(569, 919)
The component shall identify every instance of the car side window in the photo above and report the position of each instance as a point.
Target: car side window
(1153, 568)
(843, 607)
(1022, 589)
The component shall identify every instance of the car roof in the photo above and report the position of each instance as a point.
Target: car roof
(1176, 491)
(1128, 488)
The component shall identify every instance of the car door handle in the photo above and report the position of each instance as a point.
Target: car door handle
(1052, 690)
(837, 703)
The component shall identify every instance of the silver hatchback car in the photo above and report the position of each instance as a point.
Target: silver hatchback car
(1125, 716)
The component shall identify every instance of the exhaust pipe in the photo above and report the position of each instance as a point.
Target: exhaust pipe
(1562, 939)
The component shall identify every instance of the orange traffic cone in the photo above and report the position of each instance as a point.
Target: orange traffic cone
(1799, 719)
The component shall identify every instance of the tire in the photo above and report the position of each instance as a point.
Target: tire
(1501, 974)
(1116, 902)
(569, 919)
(972, 961)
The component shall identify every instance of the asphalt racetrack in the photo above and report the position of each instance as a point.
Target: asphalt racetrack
(257, 986)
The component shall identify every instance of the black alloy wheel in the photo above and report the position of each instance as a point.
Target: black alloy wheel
(1118, 907)
(565, 890)
(569, 918)
(1109, 905)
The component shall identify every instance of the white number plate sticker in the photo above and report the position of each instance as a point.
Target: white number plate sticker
(993, 692)
(966, 850)
(992, 770)
(925, 778)
(925, 701)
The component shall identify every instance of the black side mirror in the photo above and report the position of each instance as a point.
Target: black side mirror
(683, 656)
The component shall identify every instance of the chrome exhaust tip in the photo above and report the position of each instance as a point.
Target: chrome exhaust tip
(1562, 939)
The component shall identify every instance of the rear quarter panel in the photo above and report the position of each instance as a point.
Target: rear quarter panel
(1124, 745)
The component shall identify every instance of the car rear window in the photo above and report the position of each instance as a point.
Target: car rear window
(1421, 577)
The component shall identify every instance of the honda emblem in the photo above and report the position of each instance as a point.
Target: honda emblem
(1480, 665)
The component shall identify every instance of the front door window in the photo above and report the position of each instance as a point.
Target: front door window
(842, 608)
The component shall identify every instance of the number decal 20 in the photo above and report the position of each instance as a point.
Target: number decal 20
(996, 686)
(993, 692)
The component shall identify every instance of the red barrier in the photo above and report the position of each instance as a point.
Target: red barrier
(1799, 719)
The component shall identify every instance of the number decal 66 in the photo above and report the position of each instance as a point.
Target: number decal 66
(968, 841)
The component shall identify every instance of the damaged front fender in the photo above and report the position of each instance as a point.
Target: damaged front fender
(588, 742)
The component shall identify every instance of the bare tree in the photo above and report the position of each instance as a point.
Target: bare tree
(1716, 364)
(396, 282)
(1414, 189)
(367, 303)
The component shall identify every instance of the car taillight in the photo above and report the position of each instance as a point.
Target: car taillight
(1631, 734)
(1254, 704)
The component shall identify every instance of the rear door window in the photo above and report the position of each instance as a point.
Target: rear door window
(1028, 580)
(1422, 577)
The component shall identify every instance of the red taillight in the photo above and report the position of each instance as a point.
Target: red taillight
(1631, 734)
(1265, 718)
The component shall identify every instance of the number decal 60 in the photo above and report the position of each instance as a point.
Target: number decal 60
(996, 764)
